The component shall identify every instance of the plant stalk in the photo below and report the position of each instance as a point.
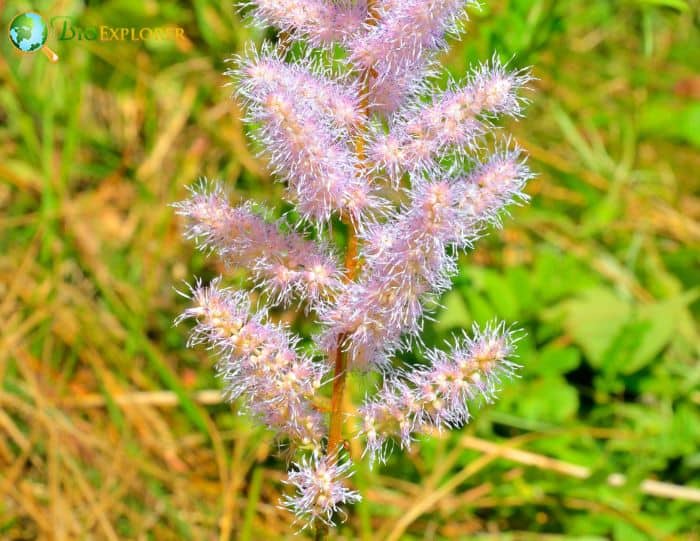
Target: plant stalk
(335, 429)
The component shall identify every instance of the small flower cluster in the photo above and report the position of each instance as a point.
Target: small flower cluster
(320, 490)
(307, 124)
(407, 259)
(438, 395)
(258, 361)
(398, 48)
(285, 266)
(414, 173)
(452, 124)
(319, 21)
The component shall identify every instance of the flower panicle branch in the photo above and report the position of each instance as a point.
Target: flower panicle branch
(320, 22)
(454, 123)
(399, 47)
(285, 265)
(258, 362)
(409, 259)
(320, 488)
(439, 394)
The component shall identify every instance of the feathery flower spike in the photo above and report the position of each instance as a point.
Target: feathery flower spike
(397, 50)
(319, 21)
(258, 361)
(351, 120)
(320, 486)
(285, 266)
(409, 260)
(438, 394)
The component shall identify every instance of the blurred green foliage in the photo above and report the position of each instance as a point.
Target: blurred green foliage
(601, 272)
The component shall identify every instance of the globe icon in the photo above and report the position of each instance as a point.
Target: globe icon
(28, 32)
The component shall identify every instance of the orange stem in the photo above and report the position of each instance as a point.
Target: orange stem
(335, 429)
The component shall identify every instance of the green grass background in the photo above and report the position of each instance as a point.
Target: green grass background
(111, 429)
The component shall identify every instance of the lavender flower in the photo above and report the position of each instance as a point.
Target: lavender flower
(328, 97)
(305, 120)
(438, 394)
(258, 361)
(285, 266)
(320, 488)
(407, 261)
(319, 21)
(396, 50)
(348, 134)
(454, 122)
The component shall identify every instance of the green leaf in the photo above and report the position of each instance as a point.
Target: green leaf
(645, 335)
(557, 275)
(251, 504)
(620, 356)
(663, 318)
(548, 399)
(667, 118)
(594, 320)
(685, 430)
(602, 214)
(555, 360)
(623, 531)
(479, 308)
(521, 280)
(680, 5)
(502, 297)
(454, 314)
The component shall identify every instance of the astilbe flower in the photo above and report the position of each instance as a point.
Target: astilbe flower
(320, 488)
(286, 266)
(407, 259)
(438, 394)
(453, 123)
(307, 121)
(319, 21)
(260, 73)
(258, 361)
(399, 45)
(415, 180)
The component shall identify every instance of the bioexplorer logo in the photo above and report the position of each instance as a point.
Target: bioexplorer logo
(66, 29)
(28, 33)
